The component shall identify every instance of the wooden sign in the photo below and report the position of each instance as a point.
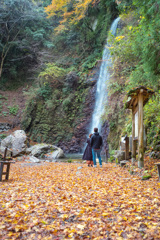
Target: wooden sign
(137, 98)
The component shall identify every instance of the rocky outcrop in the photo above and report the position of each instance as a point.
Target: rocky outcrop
(65, 122)
(105, 133)
(82, 125)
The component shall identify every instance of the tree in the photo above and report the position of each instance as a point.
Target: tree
(13, 17)
(22, 32)
(69, 11)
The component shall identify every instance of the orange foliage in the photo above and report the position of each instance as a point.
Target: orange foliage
(59, 8)
(63, 201)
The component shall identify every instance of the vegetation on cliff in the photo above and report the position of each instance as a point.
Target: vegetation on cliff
(136, 51)
(52, 110)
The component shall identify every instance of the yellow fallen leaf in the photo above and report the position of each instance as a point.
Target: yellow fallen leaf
(64, 216)
(70, 235)
(2, 226)
(105, 214)
(80, 226)
(44, 222)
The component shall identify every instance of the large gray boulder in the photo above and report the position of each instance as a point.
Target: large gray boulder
(45, 151)
(15, 143)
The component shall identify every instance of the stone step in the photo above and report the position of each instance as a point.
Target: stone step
(123, 163)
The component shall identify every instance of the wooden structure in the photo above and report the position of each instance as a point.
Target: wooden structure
(2, 172)
(137, 98)
(126, 147)
(5, 162)
(158, 167)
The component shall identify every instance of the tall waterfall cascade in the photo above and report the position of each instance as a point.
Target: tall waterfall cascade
(104, 75)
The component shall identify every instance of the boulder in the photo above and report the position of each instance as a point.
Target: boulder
(57, 154)
(45, 151)
(33, 159)
(15, 143)
(120, 155)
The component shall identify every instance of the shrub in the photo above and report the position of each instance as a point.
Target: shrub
(45, 91)
(152, 119)
(13, 109)
(67, 102)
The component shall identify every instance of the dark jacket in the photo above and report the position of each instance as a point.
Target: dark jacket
(88, 151)
(96, 141)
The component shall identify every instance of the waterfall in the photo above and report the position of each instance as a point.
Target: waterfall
(104, 75)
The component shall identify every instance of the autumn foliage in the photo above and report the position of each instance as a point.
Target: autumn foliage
(69, 11)
(73, 201)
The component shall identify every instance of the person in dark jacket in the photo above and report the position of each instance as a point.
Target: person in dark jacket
(96, 145)
(88, 152)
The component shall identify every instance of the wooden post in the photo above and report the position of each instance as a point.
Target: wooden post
(1, 170)
(158, 167)
(140, 130)
(5, 153)
(126, 148)
(133, 136)
(7, 171)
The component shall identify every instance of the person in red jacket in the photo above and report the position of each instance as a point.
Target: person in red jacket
(88, 152)
(96, 145)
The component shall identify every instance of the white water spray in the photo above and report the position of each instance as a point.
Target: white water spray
(104, 75)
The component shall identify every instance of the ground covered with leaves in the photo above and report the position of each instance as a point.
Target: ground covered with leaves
(74, 201)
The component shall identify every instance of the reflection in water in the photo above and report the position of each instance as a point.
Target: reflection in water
(77, 156)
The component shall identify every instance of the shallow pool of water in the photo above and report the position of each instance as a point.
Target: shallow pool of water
(77, 156)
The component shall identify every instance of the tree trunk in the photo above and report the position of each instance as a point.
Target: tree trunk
(1, 68)
(133, 136)
(140, 130)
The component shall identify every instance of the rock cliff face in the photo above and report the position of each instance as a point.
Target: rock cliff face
(67, 129)
(81, 129)
(64, 124)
